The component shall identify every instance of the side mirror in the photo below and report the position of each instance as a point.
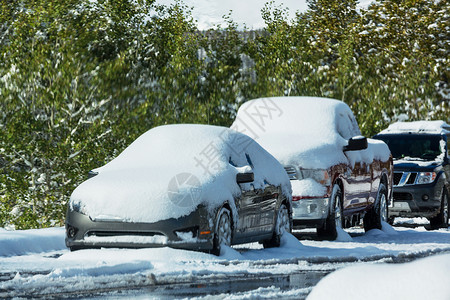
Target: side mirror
(245, 177)
(356, 143)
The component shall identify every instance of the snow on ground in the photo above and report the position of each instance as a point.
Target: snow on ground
(426, 278)
(21, 242)
(36, 261)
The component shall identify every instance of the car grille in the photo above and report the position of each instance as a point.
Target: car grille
(397, 177)
(121, 233)
(292, 173)
(402, 196)
(404, 178)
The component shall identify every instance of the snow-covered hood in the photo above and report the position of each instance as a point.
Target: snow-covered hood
(149, 195)
(416, 165)
(304, 150)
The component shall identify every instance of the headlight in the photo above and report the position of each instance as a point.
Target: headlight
(319, 175)
(426, 177)
(77, 207)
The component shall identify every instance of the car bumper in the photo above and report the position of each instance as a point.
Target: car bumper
(416, 201)
(310, 212)
(190, 232)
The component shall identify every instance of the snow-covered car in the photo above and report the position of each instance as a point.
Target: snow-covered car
(338, 176)
(421, 169)
(184, 186)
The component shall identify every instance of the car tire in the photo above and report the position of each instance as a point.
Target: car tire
(282, 224)
(378, 212)
(391, 220)
(441, 220)
(335, 216)
(223, 231)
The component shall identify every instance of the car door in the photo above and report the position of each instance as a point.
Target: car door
(358, 176)
(244, 203)
(446, 164)
(256, 207)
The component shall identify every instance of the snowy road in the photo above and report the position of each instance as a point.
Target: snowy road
(36, 263)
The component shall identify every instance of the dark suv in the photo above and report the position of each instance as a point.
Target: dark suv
(421, 170)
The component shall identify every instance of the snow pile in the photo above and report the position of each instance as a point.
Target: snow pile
(261, 293)
(343, 236)
(411, 221)
(102, 269)
(169, 170)
(422, 279)
(306, 131)
(438, 127)
(386, 229)
(21, 242)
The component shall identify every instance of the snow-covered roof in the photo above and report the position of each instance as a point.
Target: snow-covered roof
(438, 127)
(169, 170)
(306, 131)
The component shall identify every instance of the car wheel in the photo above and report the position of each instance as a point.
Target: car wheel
(441, 220)
(335, 216)
(379, 211)
(282, 225)
(223, 231)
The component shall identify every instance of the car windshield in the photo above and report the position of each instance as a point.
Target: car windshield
(423, 147)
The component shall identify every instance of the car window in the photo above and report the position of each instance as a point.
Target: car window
(347, 126)
(249, 160)
(231, 162)
(355, 126)
(239, 160)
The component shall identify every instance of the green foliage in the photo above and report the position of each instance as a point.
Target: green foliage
(81, 79)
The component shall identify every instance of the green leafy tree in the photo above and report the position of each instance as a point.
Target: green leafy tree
(81, 79)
